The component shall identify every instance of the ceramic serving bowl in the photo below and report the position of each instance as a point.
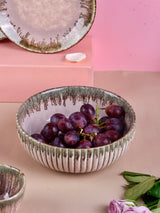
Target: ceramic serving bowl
(12, 187)
(37, 110)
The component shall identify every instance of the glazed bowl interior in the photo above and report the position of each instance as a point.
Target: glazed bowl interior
(36, 111)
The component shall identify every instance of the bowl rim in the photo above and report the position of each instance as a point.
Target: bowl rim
(22, 189)
(115, 143)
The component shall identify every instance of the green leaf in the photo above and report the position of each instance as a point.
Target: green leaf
(130, 185)
(155, 191)
(134, 174)
(158, 204)
(150, 200)
(139, 189)
(157, 210)
(136, 179)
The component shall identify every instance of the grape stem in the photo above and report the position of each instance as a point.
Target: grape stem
(91, 136)
(102, 108)
(96, 113)
(102, 124)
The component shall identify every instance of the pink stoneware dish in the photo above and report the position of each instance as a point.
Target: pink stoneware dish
(46, 26)
(12, 187)
(37, 111)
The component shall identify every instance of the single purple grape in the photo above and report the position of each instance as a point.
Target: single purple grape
(103, 119)
(114, 124)
(56, 117)
(71, 138)
(112, 135)
(100, 140)
(114, 111)
(64, 125)
(49, 131)
(58, 141)
(84, 144)
(92, 129)
(39, 137)
(88, 110)
(78, 120)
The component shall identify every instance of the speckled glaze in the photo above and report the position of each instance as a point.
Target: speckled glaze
(30, 26)
(2, 36)
(12, 182)
(36, 111)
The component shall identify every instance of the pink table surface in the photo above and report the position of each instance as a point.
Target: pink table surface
(49, 191)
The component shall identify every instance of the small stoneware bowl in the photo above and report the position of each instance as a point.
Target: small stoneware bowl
(12, 187)
(36, 111)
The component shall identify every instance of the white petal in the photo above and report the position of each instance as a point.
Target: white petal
(75, 57)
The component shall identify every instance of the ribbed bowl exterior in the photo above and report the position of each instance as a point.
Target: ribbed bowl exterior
(10, 207)
(74, 160)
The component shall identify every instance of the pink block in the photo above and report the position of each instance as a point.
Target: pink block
(23, 73)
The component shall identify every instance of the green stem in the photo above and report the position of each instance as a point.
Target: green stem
(102, 108)
(97, 114)
(152, 207)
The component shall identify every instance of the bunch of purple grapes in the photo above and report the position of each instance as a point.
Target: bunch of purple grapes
(83, 129)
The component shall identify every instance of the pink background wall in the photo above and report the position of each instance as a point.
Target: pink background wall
(126, 35)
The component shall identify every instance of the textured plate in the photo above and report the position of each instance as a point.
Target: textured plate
(46, 26)
(2, 36)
